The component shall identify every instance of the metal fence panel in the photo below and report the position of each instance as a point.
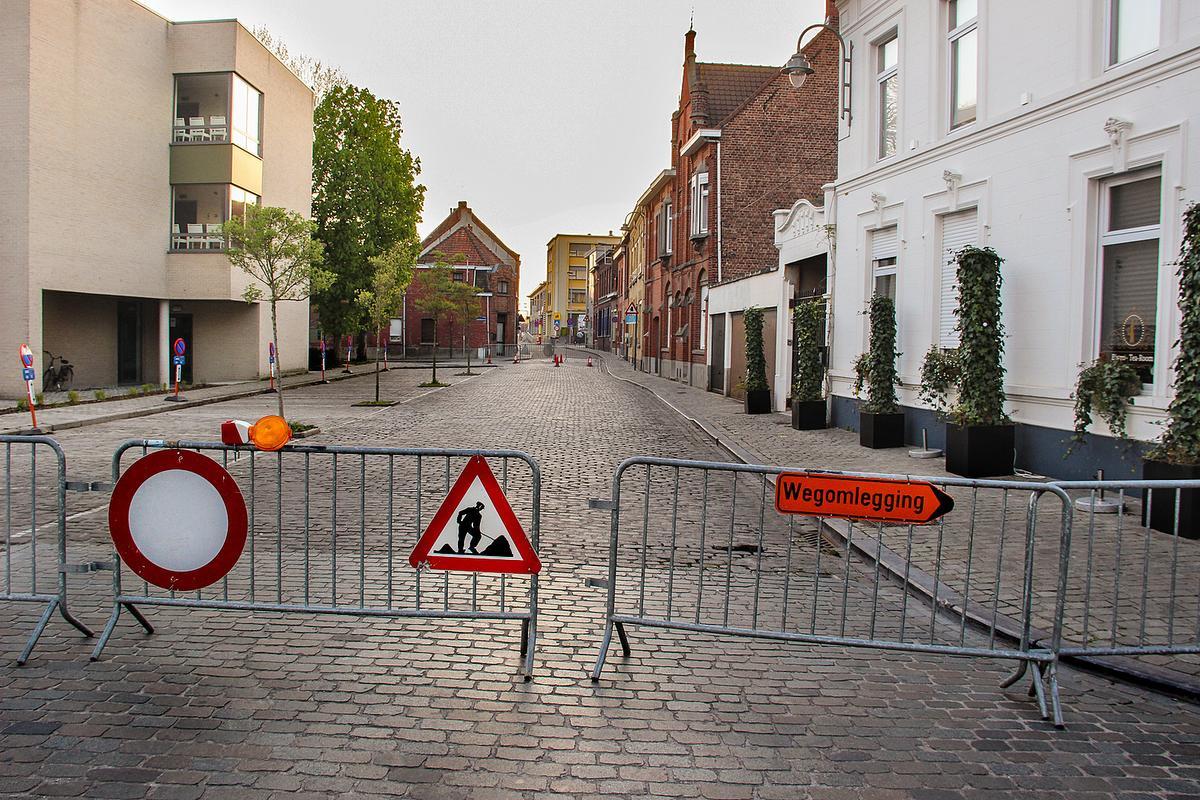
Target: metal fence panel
(35, 530)
(699, 546)
(330, 531)
(1126, 589)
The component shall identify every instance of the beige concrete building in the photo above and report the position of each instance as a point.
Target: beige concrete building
(567, 281)
(126, 140)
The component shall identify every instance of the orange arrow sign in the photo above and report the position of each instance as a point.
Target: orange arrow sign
(818, 494)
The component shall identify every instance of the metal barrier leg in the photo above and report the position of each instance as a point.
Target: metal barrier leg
(69, 617)
(1038, 689)
(107, 632)
(37, 632)
(524, 637)
(138, 616)
(530, 643)
(603, 654)
(625, 651)
(1022, 668)
(1055, 708)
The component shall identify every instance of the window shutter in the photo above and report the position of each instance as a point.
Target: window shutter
(958, 231)
(884, 244)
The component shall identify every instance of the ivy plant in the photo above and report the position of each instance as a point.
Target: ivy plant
(940, 372)
(806, 332)
(877, 367)
(1180, 443)
(981, 339)
(1106, 388)
(756, 361)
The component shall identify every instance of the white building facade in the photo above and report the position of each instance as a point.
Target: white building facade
(1064, 135)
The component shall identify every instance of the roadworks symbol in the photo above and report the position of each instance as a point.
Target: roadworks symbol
(475, 529)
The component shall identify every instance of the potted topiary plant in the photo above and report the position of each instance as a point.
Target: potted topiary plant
(1177, 455)
(808, 400)
(758, 392)
(1106, 388)
(880, 420)
(980, 438)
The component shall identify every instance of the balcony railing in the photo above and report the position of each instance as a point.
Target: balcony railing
(197, 236)
(200, 129)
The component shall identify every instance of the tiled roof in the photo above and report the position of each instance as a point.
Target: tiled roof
(730, 85)
(465, 243)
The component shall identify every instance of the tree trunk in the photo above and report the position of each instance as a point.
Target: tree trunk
(376, 374)
(435, 347)
(466, 346)
(278, 357)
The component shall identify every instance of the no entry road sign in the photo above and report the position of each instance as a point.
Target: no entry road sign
(900, 502)
(178, 520)
(475, 529)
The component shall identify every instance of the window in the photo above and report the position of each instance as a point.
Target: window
(703, 282)
(459, 277)
(578, 273)
(885, 247)
(964, 60)
(580, 250)
(958, 231)
(199, 210)
(1129, 237)
(887, 76)
(247, 116)
(577, 297)
(482, 280)
(699, 203)
(664, 228)
(201, 108)
(1133, 27)
(502, 287)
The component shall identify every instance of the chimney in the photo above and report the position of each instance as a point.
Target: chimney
(689, 44)
(831, 13)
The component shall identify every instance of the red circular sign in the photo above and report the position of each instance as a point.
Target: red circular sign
(178, 520)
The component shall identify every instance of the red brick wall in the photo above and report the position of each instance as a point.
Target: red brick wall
(779, 147)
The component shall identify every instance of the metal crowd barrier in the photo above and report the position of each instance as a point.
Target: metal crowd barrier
(1127, 590)
(330, 531)
(698, 546)
(26, 579)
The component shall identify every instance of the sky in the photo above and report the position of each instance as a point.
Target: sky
(546, 116)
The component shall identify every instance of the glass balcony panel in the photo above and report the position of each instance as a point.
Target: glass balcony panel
(199, 212)
(247, 116)
(201, 108)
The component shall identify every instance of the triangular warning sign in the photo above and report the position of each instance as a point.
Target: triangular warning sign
(475, 530)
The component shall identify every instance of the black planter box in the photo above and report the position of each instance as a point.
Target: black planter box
(980, 451)
(1162, 509)
(758, 401)
(808, 415)
(878, 431)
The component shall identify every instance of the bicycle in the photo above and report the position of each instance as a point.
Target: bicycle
(57, 378)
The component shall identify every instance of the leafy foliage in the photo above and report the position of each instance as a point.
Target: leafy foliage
(1108, 388)
(1180, 443)
(981, 339)
(940, 372)
(878, 367)
(319, 77)
(809, 380)
(275, 247)
(434, 296)
(391, 273)
(466, 308)
(365, 195)
(756, 361)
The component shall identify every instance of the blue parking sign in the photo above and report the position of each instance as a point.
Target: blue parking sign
(179, 360)
(27, 373)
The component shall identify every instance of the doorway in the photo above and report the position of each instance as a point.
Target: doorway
(181, 328)
(716, 351)
(129, 342)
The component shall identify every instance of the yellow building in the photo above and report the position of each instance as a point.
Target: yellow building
(567, 281)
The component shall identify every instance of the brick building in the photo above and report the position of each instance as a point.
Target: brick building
(602, 296)
(744, 143)
(483, 260)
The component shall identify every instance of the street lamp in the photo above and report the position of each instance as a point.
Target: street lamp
(798, 67)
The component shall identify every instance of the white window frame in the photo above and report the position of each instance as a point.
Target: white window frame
(703, 317)
(1106, 238)
(1111, 33)
(698, 186)
(952, 38)
(882, 270)
(882, 76)
(668, 227)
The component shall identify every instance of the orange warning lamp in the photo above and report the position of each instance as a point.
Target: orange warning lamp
(270, 433)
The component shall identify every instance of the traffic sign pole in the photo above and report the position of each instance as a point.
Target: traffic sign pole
(271, 364)
(323, 360)
(179, 347)
(28, 373)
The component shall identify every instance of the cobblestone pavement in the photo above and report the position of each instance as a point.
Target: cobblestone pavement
(1127, 585)
(230, 704)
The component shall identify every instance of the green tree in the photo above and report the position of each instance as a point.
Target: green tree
(1181, 441)
(365, 196)
(391, 273)
(276, 248)
(756, 362)
(466, 308)
(433, 290)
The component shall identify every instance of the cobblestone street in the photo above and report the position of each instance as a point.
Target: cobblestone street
(226, 704)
